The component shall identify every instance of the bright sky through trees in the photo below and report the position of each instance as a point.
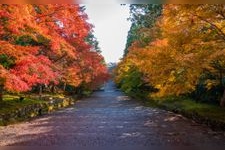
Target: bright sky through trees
(111, 27)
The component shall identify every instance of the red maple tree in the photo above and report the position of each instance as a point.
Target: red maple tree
(46, 44)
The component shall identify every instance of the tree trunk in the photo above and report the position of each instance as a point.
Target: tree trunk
(64, 87)
(1, 93)
(222, 100)
(53, 88)
(40, 92)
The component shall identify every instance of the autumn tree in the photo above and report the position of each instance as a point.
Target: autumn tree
(143, 18)
(128, 74)
(195, 32)
(47, 45)
(187, 49)
(19, 48)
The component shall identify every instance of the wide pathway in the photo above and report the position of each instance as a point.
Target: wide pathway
(109, 118)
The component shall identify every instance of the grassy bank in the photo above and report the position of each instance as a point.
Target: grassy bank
(12, 103)
(12, 110)
(211, 115)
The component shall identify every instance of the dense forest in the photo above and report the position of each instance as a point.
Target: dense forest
(48, 48)
(175, 50)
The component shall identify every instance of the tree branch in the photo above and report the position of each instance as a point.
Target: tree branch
(219, 30)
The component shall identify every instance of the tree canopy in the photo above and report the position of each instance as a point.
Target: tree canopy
(186, 51)
(48, 44)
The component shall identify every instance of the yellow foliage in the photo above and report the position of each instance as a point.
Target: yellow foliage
(192, 41)
(211, 83)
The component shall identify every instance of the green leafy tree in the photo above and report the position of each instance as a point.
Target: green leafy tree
(143, 18)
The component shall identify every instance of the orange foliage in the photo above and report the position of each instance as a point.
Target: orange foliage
(44, 44)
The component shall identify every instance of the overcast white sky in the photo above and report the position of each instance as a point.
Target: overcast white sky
(111, 28)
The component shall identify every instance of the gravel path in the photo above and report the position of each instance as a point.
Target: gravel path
(108, 118)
